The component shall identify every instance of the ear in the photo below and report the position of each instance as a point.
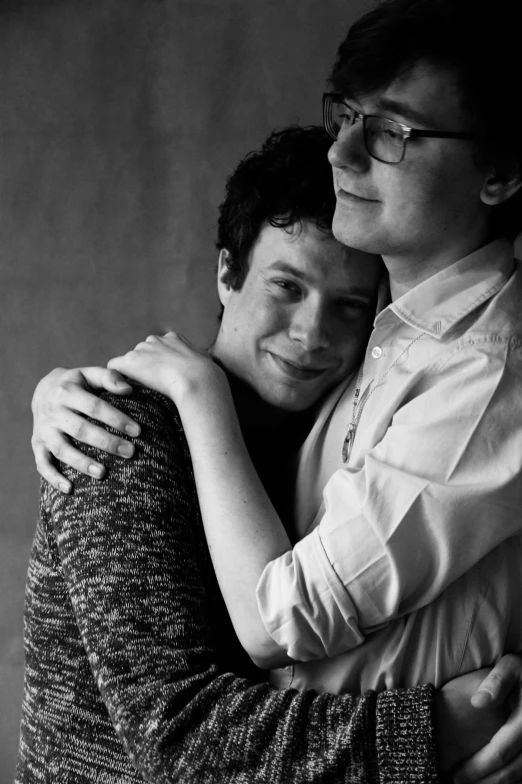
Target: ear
(501, 184)
(223, 277)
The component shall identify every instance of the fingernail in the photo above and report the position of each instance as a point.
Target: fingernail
(64, 487)
(481, 698)
(132, 430)
(123, 385)
(96, 470)
(126, 449)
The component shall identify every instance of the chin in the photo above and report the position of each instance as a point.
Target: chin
(289, 404)
(353, 235)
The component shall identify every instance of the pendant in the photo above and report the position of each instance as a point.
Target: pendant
(348, 442)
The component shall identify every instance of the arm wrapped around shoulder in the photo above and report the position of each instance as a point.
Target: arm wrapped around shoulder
(137, 570)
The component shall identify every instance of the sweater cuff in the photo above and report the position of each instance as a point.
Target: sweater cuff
(405, 733)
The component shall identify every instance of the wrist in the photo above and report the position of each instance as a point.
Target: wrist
(206, 391)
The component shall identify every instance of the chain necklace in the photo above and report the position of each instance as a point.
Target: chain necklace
(358, 409)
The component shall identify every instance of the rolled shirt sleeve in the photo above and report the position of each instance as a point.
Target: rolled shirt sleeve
(433, 486)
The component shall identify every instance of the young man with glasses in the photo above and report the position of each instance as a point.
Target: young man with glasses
(129, 651)
(410, 567)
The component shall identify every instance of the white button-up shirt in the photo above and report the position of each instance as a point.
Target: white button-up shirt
(410, 565)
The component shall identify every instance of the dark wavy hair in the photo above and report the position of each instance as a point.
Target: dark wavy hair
(478, 42)
(287, 181)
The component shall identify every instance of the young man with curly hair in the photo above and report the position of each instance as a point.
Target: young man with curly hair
(409, 566)
(129, 649)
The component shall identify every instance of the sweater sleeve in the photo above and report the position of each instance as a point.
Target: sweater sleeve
(133, 557)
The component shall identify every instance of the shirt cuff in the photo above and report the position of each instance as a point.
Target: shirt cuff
(406, 751)
(304, 606)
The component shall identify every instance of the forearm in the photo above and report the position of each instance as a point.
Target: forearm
(131, 558)
(242, 528)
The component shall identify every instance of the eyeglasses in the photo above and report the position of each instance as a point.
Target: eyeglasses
(385, 140)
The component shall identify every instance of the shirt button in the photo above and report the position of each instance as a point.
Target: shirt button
(377, 352)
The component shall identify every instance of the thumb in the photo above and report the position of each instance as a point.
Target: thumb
(106, 378)
(496, 687)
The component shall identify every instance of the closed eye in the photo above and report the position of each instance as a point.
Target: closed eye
(395, 134)
(354, 308)
(354, 304)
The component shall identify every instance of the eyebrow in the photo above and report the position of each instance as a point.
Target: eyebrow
(358, 291)
(403, 109)
(283, 266)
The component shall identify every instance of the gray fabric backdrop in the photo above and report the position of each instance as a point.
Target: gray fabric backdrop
(120, 120)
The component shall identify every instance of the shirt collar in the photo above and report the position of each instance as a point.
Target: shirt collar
(441, 301)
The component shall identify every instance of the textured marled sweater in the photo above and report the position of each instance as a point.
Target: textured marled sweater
(129, 650)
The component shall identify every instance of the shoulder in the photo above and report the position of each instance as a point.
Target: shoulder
(157, 480)
(157, 415)
(161, 454)
(149, 404)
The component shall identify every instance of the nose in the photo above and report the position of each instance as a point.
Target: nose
(349, 149)
(310, 327)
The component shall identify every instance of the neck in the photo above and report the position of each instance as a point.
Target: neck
(406, 272)
(273, 438)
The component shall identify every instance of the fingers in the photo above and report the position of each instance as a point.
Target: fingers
(63, 450)
(510, 774)
(174, 339)
(127, 363)
(56, 444)
(61, 402)
(103, 378)
(62, 391)
(500, 681)
(118, 363)
(166, 364)
(80, 429)
(76, 399)
(48, 471)
(500, 759)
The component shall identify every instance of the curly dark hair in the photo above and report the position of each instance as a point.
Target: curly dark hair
(288, 180)
(478, 42)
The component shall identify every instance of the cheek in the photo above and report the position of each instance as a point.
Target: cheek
(424, 189)
(414, 190)
(250, 320)
(271, 319)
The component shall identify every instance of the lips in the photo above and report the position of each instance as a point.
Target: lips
(352, 197)
(295, 370)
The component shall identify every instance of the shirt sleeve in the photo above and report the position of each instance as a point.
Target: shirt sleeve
(134, 566)
(439, 491)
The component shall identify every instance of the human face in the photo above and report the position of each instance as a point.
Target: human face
(427, 210)
(301, 320)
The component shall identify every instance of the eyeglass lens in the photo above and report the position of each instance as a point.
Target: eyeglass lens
(384, 139)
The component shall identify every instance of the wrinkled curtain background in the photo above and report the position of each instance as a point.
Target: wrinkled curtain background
(119, 122)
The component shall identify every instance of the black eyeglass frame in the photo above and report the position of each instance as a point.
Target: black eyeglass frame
(409, 132)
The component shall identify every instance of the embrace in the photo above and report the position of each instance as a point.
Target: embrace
(305, 564)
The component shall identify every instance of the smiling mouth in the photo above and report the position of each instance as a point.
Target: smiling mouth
(352, 197)
(299, 372)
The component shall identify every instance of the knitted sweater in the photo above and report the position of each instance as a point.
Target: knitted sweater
(128, 649)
